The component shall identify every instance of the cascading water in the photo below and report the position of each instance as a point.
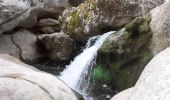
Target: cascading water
(76, 75)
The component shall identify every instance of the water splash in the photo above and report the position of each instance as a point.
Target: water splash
(76, 75)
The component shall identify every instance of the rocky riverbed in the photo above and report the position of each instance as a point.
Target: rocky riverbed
(49, 34)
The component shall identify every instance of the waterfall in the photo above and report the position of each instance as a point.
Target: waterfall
(76, 75)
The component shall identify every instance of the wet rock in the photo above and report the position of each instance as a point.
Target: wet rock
(25, 13)
(26, 41)
(125, 49)
(23, 82)
(60, 46)
(97, 16)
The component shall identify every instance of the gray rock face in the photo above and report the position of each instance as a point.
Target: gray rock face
(97, 16)
(26, 41)
(7, 46)
(148, 5)
(154, 81)
(59, 45)
(23, 82)
(160, 26)
(25, 13)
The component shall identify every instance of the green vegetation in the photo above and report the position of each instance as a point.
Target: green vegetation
(137, 27)
(146, 56)
(127, 55)
(74, 22)
(83, 13)
(101, 75)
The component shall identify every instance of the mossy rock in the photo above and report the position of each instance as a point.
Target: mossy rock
(94, 17)
(127, 52)
(101, 75)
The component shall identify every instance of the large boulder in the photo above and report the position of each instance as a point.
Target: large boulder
(19, 81)
(97, 16)
(153, 84)
(126, 52)
(25, 13)
(60, 46)
(160, 26)
(26, 42)
(148, 5)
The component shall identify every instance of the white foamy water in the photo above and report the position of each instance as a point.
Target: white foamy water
(80, 65)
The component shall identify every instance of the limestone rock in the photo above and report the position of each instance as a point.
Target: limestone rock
(59, 45)
(23, 82)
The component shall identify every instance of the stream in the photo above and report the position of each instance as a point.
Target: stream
(77, 74)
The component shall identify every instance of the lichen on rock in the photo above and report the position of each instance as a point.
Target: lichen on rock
(92, 17)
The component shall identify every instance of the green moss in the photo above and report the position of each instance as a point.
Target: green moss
(146, 56)
(87, 15)
(137, 27)
(117, 64)
(123, 79)
(74, 22)
(101, 75)
(138, 32)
